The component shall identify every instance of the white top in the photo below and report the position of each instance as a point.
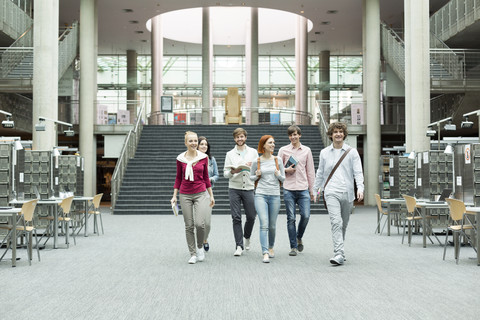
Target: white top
(269, 183)
(235, 158)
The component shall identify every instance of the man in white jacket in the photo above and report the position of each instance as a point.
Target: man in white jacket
(240, 188)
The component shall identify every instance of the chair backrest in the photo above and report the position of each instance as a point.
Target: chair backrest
(379, 202)
(66, 204)
(411, 203)
(28, 208)
(457, 209)
(96, 200)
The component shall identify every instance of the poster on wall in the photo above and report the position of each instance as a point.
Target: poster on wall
(166, 103)
(102, 114)
(179, 118)
(123, 117)
(357, 114)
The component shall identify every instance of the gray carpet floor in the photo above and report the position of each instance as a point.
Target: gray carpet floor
(139, 270)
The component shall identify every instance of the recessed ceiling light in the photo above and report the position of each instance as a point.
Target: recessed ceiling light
(325, 23)
(312, 41)
(133, 21)
(332, 11)
(318, 32)
(302, 11)
(127, 10)
(139, 31)
(143, 40)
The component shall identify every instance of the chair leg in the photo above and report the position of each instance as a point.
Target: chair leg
(95, 224)
(378, 225)
(36, 240)
(101, 222)
(66, 233)
(384, 224)
(403, 235)
(6, 240)
(73, 234)
(409, 233)
(445, 246)
(456, 243)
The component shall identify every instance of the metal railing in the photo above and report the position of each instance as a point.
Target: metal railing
(127, 153)
(444, 62)
(192, 116)
(393, 49)
(67, 48)
(12, 56)
(454, 17)
(322, 124)
(13, 20)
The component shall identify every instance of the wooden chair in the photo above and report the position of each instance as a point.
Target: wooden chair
(383, 213)
(64, 218)
(28, 228)
(460, 223)
(94, 209)
(412, 216)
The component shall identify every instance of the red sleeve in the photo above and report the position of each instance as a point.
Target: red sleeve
(206, 178)
(179, 177)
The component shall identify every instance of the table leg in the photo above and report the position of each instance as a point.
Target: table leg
(85, 234)
(14, 237)
(424, 226)
(388, 221)
(55, 226)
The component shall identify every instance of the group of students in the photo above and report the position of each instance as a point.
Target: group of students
(255, 182)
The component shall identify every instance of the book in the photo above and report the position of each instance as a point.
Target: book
(291, 161)
(242, 166)
(175, 209)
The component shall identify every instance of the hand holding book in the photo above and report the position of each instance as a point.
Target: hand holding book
(292, 162)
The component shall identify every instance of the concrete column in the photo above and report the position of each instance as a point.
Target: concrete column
(132, 84)
(324, 83)
(251, 59)
(88, 90)
(417, 74)
(45, 72)
(301, 72)
(157, 70)
(207, 54)
(372, 65)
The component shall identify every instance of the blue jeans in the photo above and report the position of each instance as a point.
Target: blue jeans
(267, 210)
(302, 198)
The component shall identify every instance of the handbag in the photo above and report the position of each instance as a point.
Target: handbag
(331, 174)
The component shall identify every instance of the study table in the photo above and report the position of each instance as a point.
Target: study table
(52, 204)
(12, 214)
(424, 207)
(476, 210)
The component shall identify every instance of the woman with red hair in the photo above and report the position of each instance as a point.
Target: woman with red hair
(268, 173)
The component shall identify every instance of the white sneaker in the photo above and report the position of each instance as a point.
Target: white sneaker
(200, 254)
(238, 252)
(247, 244)
(266, 258)
(193, 260)
(337, 260)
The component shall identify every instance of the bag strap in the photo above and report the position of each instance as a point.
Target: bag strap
(336, 166)
(258, 168)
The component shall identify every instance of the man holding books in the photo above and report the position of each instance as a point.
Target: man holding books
(240, 188)
(298, 186)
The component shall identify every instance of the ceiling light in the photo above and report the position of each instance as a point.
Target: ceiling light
(139, 31)
(127, 10)
(302, 11)
(133, 21)
(325, 23)
(332, 11)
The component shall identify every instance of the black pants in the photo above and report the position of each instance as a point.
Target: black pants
(237, 197)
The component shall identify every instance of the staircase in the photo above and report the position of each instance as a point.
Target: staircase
(147, 186)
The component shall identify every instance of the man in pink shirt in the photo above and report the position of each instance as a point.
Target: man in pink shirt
(298, 186)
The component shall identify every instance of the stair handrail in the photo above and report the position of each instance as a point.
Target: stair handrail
(67, 48)
(14, 54)
(453, 17)
(449, 60)
(393, 48)
(127, 153)
(13, 19)
(322, 125)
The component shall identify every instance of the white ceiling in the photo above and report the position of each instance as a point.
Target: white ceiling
(341, 36)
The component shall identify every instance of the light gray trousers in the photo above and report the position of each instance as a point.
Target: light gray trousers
(196, 211)
(339, 210)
